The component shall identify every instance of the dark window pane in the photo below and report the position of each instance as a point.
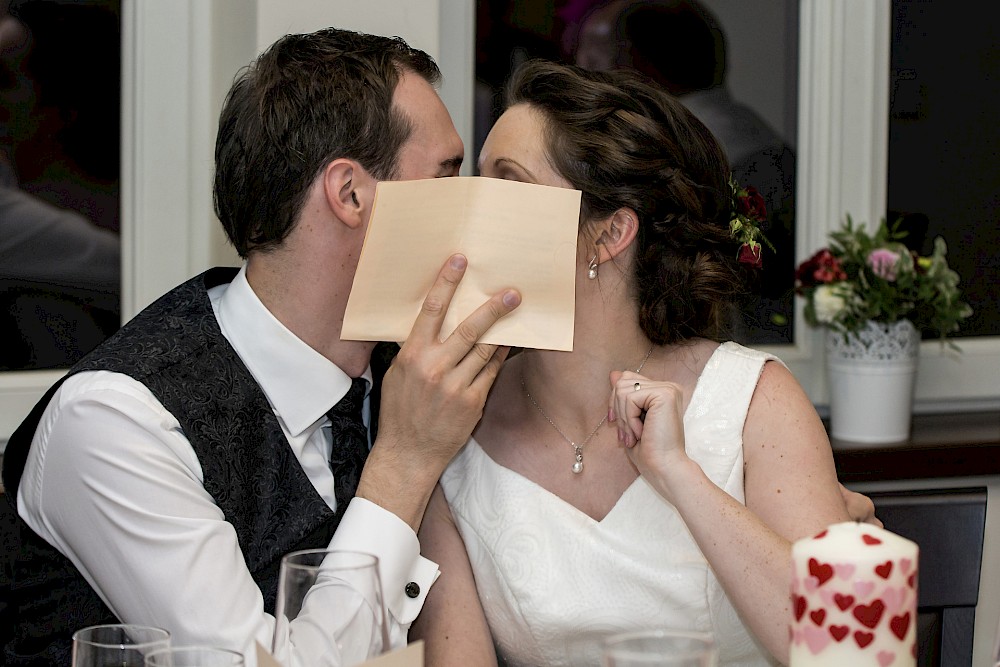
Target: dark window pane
(733, 64)
(944, 141)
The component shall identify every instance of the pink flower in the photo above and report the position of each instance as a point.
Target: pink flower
(883, 263)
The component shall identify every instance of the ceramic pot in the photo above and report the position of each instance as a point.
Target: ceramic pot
(872, 374)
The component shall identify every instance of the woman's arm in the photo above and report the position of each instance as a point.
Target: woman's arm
(790, 483)
(452, 623)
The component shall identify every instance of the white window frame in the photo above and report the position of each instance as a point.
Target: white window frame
(180, 56)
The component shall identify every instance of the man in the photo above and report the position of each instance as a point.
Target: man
(163, 480)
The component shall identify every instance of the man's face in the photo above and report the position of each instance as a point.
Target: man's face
(434, 149)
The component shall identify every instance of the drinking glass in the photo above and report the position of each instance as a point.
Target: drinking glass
(194, 656)
(329, 605)
(116, 645)
(668, 648)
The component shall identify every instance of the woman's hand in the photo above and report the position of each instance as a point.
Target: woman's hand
(650, 419)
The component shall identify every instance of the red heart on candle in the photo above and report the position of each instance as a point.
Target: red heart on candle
(900, 624)
(800, 606)
(838, 632)
(863, 638)
(871, 541)
(820, 535)
(843, 601)
(869, 615)
(821, 571)
(884, 569)
(818, 616)
(911, 580)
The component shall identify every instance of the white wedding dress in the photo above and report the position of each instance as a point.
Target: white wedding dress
(553, 582)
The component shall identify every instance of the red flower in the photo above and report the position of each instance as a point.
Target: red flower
(752, 204)
(820, 269)
(750, 253)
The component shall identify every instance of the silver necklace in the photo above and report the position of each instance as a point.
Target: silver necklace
(577, 448)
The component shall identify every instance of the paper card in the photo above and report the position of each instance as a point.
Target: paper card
(411, 655)
(514, 234)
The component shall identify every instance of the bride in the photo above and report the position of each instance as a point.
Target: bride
(655, 476)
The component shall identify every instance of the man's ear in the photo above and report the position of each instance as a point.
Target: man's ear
(349, 191)
(616, 233)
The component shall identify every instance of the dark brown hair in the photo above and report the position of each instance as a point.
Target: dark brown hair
(307, 100)
(625, 142)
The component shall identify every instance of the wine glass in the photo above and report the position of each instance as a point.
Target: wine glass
(329, 607)
(117, 645)
(194, 656)
(673, 648)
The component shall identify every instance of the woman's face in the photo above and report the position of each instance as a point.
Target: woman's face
(515, 149)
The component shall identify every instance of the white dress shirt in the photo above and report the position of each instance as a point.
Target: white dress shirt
(113, 484)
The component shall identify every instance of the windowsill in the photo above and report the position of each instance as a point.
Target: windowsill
(940, 445)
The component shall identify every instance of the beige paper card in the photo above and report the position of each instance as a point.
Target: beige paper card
(411, 655)
(514, 235)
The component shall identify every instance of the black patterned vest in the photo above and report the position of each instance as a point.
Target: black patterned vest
(176, 349)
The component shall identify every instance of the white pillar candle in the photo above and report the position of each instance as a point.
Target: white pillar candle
(854, 598)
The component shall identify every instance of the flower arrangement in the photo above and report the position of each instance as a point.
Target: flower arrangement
(862, 277)
(748, 210)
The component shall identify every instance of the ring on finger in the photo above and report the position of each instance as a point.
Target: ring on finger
(637, 387)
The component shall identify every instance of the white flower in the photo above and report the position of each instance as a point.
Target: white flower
(828, 303)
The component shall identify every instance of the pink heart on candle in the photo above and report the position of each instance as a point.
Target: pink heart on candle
(812, 583)
(893, 598)
(844, 570)
(885, 658)
(816, 638)
(905, 564)
(864, 588)
(827, 596)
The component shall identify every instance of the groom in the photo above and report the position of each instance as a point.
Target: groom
(163, 478)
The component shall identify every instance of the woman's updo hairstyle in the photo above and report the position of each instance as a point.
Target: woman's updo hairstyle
(624, 142)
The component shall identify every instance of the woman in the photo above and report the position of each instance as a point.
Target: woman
(591, 499)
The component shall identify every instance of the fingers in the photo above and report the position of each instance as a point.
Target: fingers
(427, 326)
(435, 305)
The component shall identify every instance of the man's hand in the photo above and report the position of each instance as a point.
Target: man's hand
(432, 397)
(860, 507)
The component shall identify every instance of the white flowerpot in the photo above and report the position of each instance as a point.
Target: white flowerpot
(872, 374)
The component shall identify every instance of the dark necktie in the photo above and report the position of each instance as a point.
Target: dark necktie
(350, 443)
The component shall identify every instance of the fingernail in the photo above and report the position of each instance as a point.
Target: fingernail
(458, 262)
(511, 298)
(611, 415)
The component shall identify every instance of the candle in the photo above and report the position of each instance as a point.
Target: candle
(854, 598)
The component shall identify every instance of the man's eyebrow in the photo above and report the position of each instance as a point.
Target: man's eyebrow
(454, 162)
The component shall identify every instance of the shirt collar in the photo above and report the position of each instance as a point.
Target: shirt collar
(299, 382)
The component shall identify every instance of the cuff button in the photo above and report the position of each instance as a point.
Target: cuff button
(412, 589)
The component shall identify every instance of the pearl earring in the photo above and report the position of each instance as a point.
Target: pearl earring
(592, 271)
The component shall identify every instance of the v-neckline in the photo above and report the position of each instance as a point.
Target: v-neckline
(695, 396)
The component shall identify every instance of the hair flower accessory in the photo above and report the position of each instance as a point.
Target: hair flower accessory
(862, 277)
(748, 211)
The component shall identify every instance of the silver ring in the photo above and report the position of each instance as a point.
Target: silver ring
(637, 387)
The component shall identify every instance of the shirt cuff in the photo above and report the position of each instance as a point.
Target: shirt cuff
(406, 575)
